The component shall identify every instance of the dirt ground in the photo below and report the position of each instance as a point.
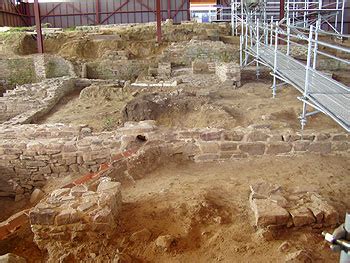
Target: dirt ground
(224, 107)
(205, 208)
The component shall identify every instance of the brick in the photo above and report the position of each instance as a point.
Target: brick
(253, 148)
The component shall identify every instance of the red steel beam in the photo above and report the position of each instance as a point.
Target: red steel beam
(281, 9)
(178, 10)
(115, 11)
(51, 11)
(159, 22)
(97, 7)
(39, 35)
(21, 16)
(169, 9)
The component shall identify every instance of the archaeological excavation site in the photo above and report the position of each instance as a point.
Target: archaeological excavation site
(174, 131)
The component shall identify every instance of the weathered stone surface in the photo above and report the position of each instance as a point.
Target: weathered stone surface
(257, 136)
(320, 147)
(11, 258)
(253, 148)
(299, 256)
(278, 148)
(141, 236)
(36, 196)
(164, 242)
(268, 213)
(302, 216)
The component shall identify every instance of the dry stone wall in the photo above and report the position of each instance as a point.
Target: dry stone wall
(183, 53)
(31, 154)
(78, 214)
(30, 101)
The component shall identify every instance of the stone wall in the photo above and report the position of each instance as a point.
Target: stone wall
(47, 151)
(17, 71)
(115, 69)
(229, 73)
(31, 69)
(183, 53)
(28, 102)
(76, 215)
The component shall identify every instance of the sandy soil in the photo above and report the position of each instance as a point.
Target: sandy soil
(205, 208)
(100, 113)
(252, 104)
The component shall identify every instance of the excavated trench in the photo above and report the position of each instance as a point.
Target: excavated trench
(185, 179)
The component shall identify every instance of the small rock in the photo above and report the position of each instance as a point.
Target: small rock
(285, 246)
(11, 258)
(143, 235)
(298, 256)
(36, 196)
(164, 242)
(265, 234)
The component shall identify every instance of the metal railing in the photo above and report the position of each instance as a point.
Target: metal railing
(271, 44)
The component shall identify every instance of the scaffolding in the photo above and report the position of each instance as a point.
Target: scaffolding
(300, 14)
(271, 45)
(304, 14)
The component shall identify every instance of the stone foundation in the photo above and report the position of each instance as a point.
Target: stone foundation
(229, 74)
(46, 151)
(29, 102)
(70, 219)
(274, 206)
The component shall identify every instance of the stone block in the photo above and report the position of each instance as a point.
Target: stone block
(233, 135)
(340, 146)
(278, 148)
(268, 213)
(320, 147)
(301, 146)
(68, 216)
(302, 216)
(228, 146)
(42, 216)
(257, 136)
(11, 258)
(340, 137)
(253, 148)
(209, 157)
(208, 147)
(211, 135)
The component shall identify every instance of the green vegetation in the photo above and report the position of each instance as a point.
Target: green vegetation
(22, 71)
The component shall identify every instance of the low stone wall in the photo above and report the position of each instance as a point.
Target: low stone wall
(28, 102)
(77, 214)
(55, 151)
(183, 53)
(229, 74)
(115, 69)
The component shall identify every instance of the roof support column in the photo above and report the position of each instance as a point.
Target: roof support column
(39, 35)
(159, 22)
(281, 9)
(97, 8)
